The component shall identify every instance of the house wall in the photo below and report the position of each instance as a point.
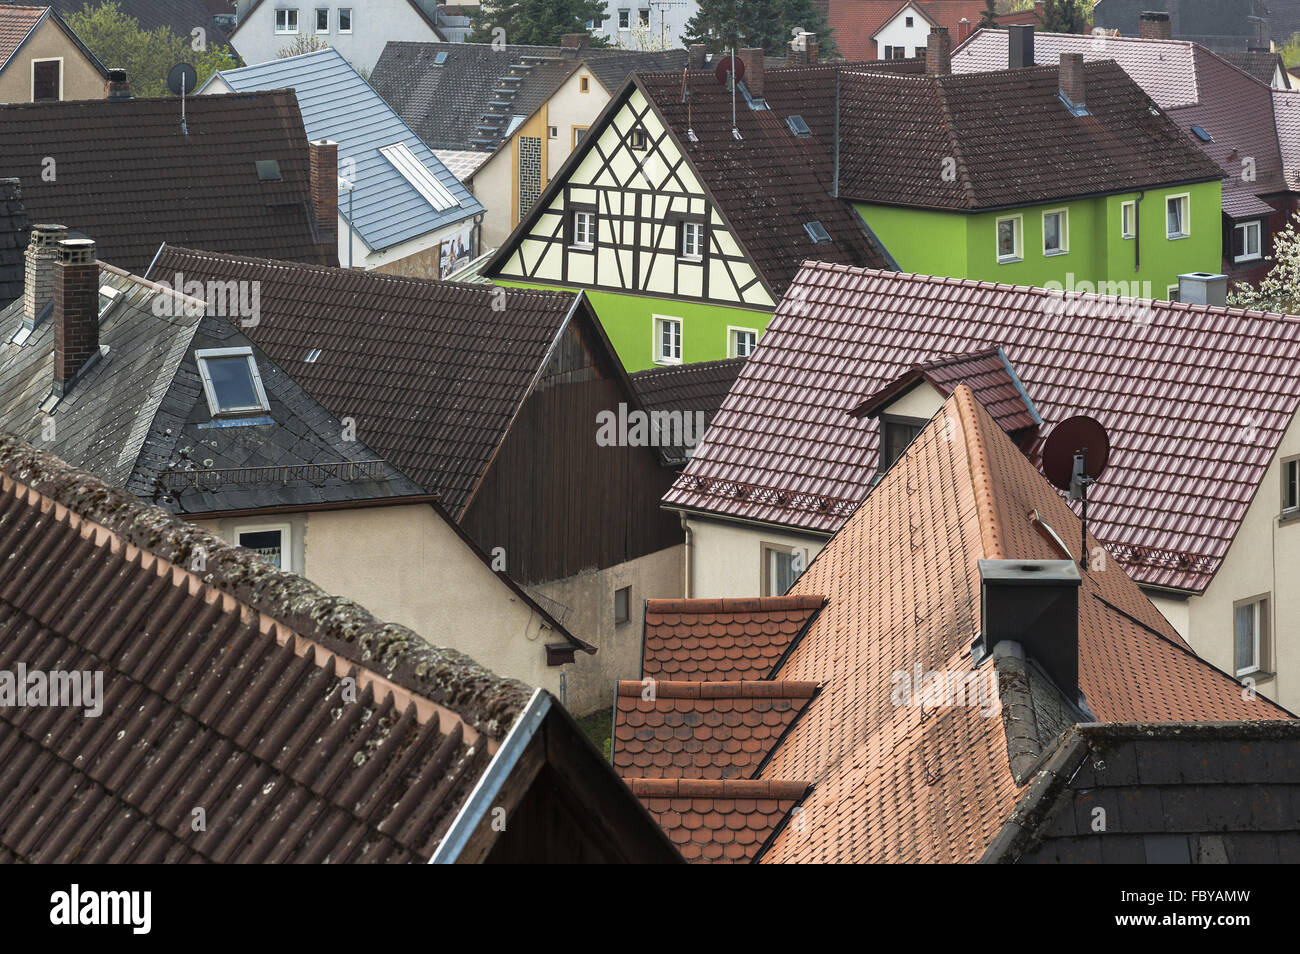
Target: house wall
(726, 556)
(493, 184)
(80, 79)
(418, 257)
(668, 20)
(374, 23)
(897, 33)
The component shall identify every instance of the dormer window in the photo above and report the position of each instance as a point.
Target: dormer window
(231, 382)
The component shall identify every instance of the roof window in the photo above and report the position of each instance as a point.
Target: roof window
(418, 175)
(268, 170)
(440, 59)
(817, 232)
(1201, 134)
(798, 127)
(231, 382)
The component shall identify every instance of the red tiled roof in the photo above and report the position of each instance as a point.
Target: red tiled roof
(15, 24)
(855, 22)
(1286, 115)
(722, 639)
(1191, 396)
(718, 821)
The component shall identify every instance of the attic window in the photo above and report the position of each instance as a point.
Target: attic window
(1201, 134)
(798, 127)
(440, 59)
(268, 170)
(636, 139)
(312, 355)
(107, 295)
(418, 175)
(817, 232)
(231, 382)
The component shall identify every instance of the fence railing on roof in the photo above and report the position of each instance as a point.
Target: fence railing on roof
(346, 470)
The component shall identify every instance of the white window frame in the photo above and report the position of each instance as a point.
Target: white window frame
(733, 333)
(588, 219)
(1258, 226)
(1259, 605)
(767, 554)
(1171, 292)
(210, 392)
(643, 16)
(297, 21)
(1289, 466)
(62, 75)
(111, 293)
(1064, 213)
(1128, 209)
(1186, 199)
(319, 11)
(657, 325)
(1019, 254)
(625, 18)
(338, 19)
(688, 229)
(286, 540)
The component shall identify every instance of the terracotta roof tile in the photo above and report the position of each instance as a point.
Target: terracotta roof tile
(722, 639)
(720, 822)
(15, 24)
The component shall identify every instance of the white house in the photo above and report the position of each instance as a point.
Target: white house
(356, 28)
(645, 24)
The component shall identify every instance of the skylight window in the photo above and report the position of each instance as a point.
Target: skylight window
(107, 295)
(440, 59)
(817, 232)
(231, 382)
(312, 355)
(418, 175)
(798, 127)
(268, 170)
(1201, 134)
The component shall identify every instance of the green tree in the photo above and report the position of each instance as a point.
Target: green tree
(1280, 289)
(1291, 52)
(989, 16)
(770, 24)
(535, 22)
(146, 55)
(1064, 16)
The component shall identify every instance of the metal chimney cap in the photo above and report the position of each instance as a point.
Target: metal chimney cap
(1030, 572)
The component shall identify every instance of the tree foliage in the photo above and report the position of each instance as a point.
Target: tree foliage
(770, 24)
(1280, 289)
(1064, 16)
(302, 43)
(146, 55)
(534, 22)
(989, 16)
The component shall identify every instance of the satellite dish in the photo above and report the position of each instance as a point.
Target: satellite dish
(182, 79)
(727, 65)
(1074, 457)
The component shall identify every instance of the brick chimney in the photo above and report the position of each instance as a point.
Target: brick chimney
(38, 273)
(575, 41)
(1073, 87)
(76, 309)
(964, 29)
(696, 56)
(811, 48)
(1020, 46)
(324, 172)
(1155, 25)
(117, 89)
(938, 52)
(752, 57)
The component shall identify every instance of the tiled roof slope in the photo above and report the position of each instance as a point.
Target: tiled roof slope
(1218, 24)
(15, 24)
(13, 240)
(700, 386)
(221, 690)
(719, 821)
(769, 183)
(730, 639)
(1286, 114)
(430, 371)
(1012, 137)
(907, 783)
(179, 16)
(337, 104)
(131, 193)
(1260, 64)
(1189, 394)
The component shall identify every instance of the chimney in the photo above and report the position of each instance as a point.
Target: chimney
(752, 57)
(38, 277)
(1040, 10)
(1073, 86)
(575, 41)
(938, 52)
(1034, 603)
(1020, 46)
(810, 48)
(117, 89)
(76, 310)
(1155, 25)
(1203, 288)
(964, 29)
(324, 172)
(695, 56)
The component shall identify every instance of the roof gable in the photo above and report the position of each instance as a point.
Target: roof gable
(415, 8)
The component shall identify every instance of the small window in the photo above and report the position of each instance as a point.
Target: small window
(584, 85)
(900, 53)
(909, 20)
(1250, 635)
(1010, 230)
(920, 53)
(622, 604)
(798, 127)
(889, 52)
(636, 139)
(1201, 134)
(271, 543)
(1128, 220)
(741, 342)
(578, 133)
(781, 568)
(1247, 241)
(624, 18)
(107, 295)
(1291, 486)
(1177, 225)
(584, 229)
(1171, 292)
(231, 381)
(643, 15)
(692, 240)
(817, 232)
(1056, 232)
(553, 132)
(312, 356)
(895, 436)
(268, 170)
(345, 19)
(286, 21)
(668, 340)
(322, 19)
(47, 80)
(440, 59)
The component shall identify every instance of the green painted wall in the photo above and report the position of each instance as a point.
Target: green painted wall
(965, 245)
(629, 322)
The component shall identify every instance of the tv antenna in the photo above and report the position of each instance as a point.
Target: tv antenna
(1074, 457)
(180, 80)
(729, 72)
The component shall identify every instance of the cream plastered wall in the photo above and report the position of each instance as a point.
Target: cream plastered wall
(80, 79)
(492, 186)
(569, 107)
(726, 556)
(922, 403)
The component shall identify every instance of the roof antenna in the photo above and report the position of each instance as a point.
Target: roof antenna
(180, 80)
(1074, 457)
(730, 71)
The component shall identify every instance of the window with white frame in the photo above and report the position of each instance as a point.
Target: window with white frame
(231, 382)
(741, 342)
(47, 80)
(1250, 635)
(1247, 241)
(692, 240)
(322, 19)
(286, 21)
(643, 15)
(668, 340)
(1291, 486)
(584, 228)
(624, 19)
(1056, 232)
(345, 19)
(1171, 292)
(1010, 246)
(781, 567)
(1128, 220)
(1177, 216)
(269, 541)
(107, 295)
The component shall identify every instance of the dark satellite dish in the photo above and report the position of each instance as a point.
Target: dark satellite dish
(726, 65)
(182, 79)
(1074, 457)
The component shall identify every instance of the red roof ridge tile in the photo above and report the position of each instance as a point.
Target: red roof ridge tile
(717, 788)
(761, 604)
(721, 689)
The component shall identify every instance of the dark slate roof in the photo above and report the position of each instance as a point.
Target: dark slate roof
(1217, 24)
(137, 414)
(131, 192)
(13, 240)
(219, 690)
(1199, 793)
(1260, 64)
(179, 16)
(432, 373)
(1012, 137)
(445, 103)
(687, 388)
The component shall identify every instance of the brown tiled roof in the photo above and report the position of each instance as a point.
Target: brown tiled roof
(431, 371)
(697, 387)
(222, 690)
(718, 821)
(712, 639)
(1187, 393)
(855, 22)
(1012, 138)
(131, 193)
(1286, 116)
(15, 24)
(1260, 64)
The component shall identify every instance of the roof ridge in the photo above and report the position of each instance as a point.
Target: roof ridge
(733, 604)
(977, 459)
(717, 787)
